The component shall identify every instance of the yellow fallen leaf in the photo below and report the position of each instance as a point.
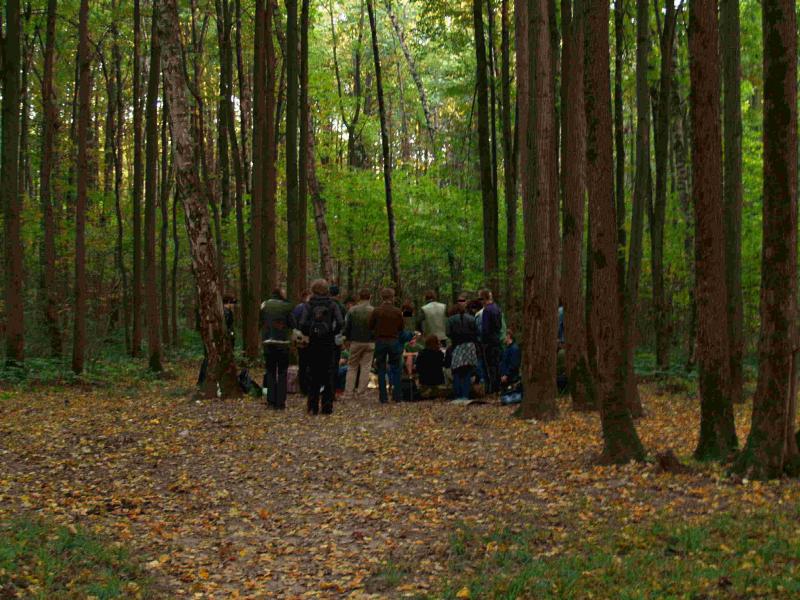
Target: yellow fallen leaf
(463, 593)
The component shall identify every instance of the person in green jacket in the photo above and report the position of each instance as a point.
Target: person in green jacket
(432, 319)
(277, 324)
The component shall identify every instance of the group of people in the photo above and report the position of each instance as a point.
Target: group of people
(468, 344)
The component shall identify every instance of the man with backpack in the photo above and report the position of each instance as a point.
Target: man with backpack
(386, 323)
(277, 324)
(321, 321)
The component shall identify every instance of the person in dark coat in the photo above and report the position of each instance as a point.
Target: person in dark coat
(430, 368)
(302, 361)
(321, 321)
(277, 324)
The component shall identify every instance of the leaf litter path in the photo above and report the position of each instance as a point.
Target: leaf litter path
(228, 499)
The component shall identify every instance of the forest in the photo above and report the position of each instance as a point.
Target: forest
(631, 163)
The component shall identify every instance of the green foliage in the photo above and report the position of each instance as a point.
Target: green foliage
(39, 559)
(732, 555)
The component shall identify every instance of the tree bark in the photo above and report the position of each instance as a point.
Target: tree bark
(732, 188)
(48, 275)
(657, 215)
(176, 342)
(221, 365)
(621, 442)
(9, 192)
(138, 181)
(305, 123)
(245, 100)
(223, 44)
(394, 255)
(573, 177)
(490, 247)
(771, 449)
(540, 214)
(295, 273)
(84, 62)
(166, 185)
(619, 138)
(269, 261)
(318, 202)
(717, 430)
(509, 168)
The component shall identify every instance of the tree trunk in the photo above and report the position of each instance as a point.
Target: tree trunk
(619, 138)
(540, 214)
(663, 113)
(219, 349)
(491, 65)
(84, 62)
(732, 190)
(509, 170)
(49, 123)
(9, 192)
(394, 255)
(717, 431)
(166, 184)
(223, 43)
(175, 256)
(642, 198)
(412, 66)
(573, 177)
(621, 442)
(305, 123)
(490, 247)
(138, 181)
(771, 449)
(245, 99)
(294, 269)
(269, 261)
(318, 202)
(152, 316)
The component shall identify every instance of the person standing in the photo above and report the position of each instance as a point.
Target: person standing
(302, 361)
(321, 321)
(386, 324)
(432, 318)
(463, 334)
(362, 345)
(277, 324)
(492, 340)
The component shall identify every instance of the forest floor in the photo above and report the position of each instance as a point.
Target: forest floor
(221, 499)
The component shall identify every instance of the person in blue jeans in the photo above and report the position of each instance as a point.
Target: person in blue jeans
(386, 323)
(463, 333)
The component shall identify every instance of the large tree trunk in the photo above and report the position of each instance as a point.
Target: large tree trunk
(732, 188)
(318, 202)
(219, 349)
(394, 255)
(663, 114)
(295, 272)
(138, 181)
(540, 211)
(642, 198)
(412, 66)
(717, 430)
(49, 124)
(573, 177)
(621, 442)
(84, 62)
(490, 247)
(269, 260)
(152, 316)
(509, 168)
(9, 191)
(771, 449)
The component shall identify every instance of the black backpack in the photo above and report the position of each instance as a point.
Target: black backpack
(320, 319)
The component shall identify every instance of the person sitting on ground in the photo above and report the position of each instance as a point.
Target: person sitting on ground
(432, 318)
(362, 345)
(321, 321)
(386, 324)
(430, 369)
(511, 361)
(463, 334)
(277, 324)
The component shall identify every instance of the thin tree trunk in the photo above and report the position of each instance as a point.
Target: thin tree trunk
(138, 181)
(620, 440)
(219, 349)
(717, 430)
(493, 107)
(269, 261)
(84, 61)
(318, 202)
(305, 123)
(771, 449)
(490, 247)
(732, 190)
(540, 213)
(509, 168)
(245, 100)
(223, 43)
(9, 191)
(49, 124)
(152, 316)
(294, 273)
(394, 255)
(166, 185)
(573, 176)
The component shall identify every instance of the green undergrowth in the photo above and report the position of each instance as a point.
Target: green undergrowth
(41, 560)
(731, 555)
